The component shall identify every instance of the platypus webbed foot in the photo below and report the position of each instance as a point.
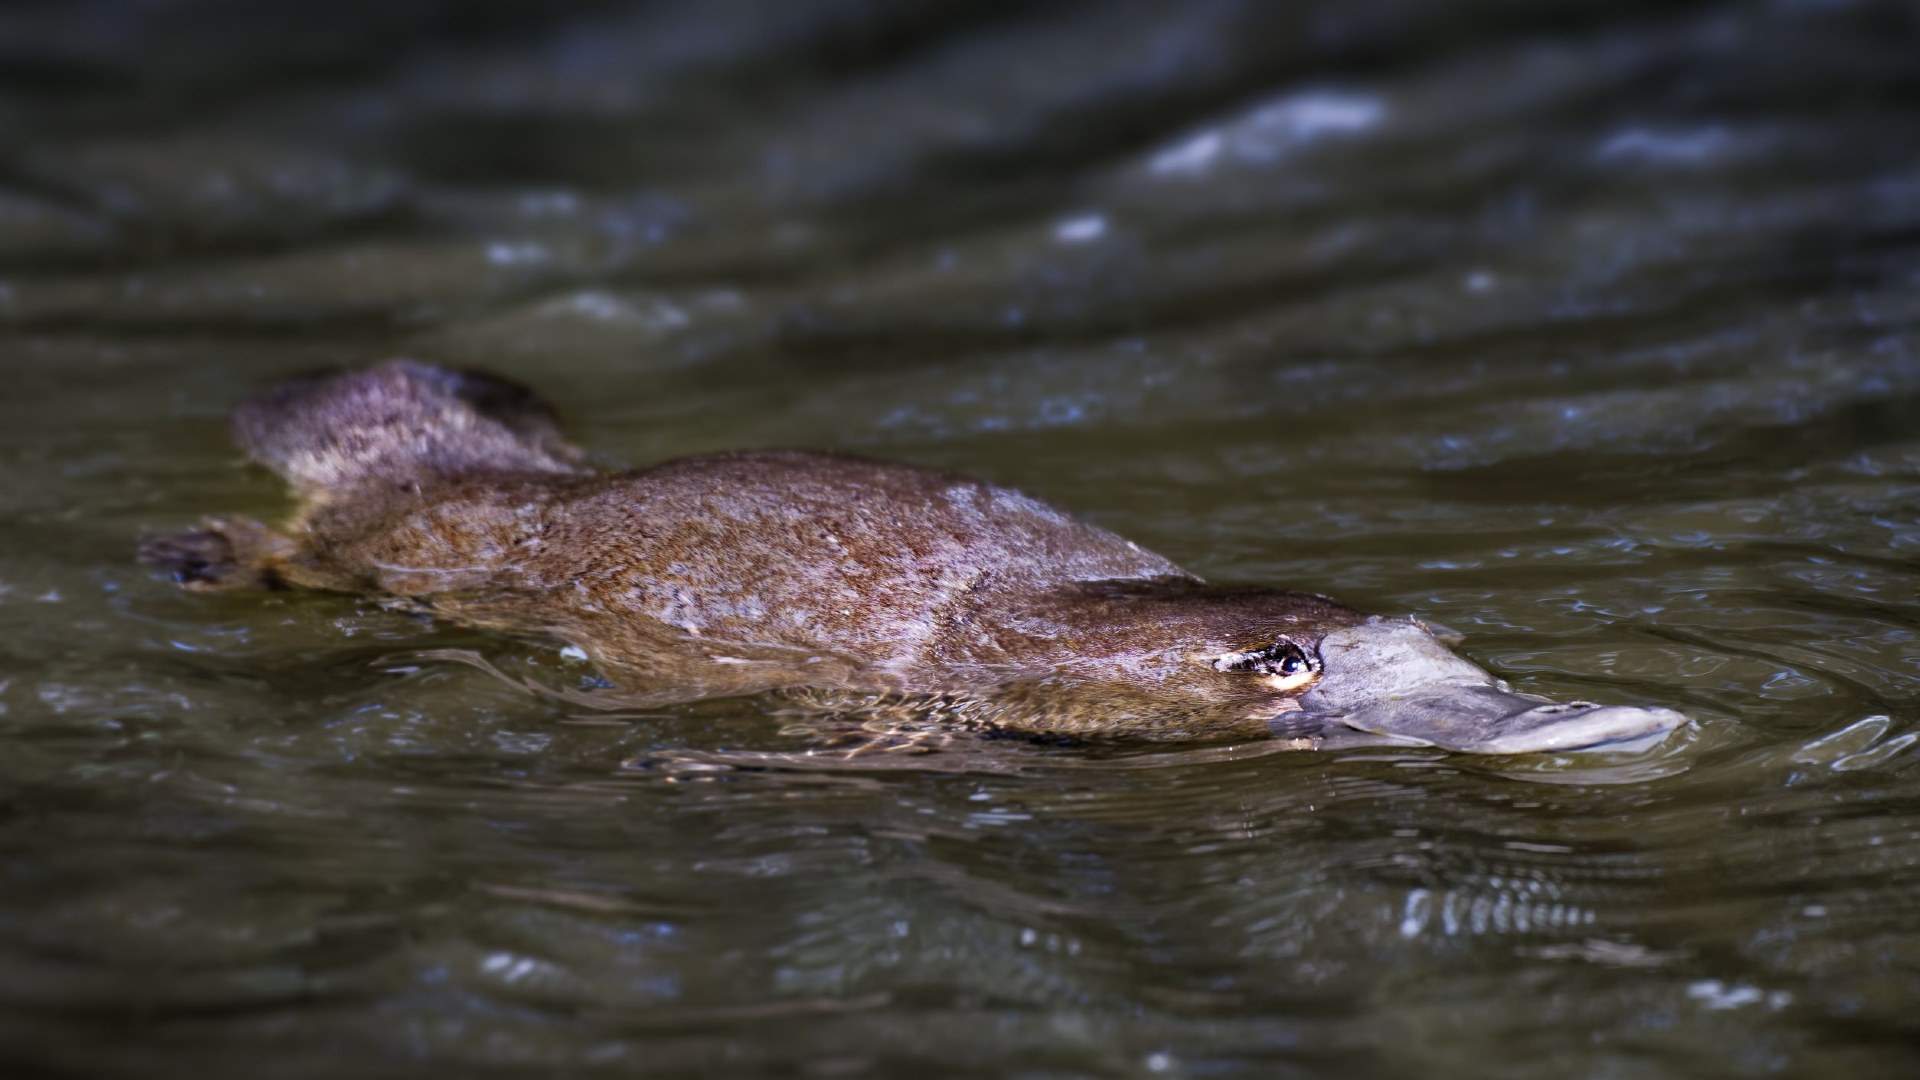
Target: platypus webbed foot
(224, 553)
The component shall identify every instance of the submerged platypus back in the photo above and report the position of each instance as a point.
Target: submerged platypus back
(845, 581)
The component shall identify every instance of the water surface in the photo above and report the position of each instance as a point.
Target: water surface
(1588, 330)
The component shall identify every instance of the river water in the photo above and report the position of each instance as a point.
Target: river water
(1589, 330)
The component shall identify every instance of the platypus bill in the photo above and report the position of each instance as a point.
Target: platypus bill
(843, 583)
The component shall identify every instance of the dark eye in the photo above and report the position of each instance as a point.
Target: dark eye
(1282, 658)
(1288, 659)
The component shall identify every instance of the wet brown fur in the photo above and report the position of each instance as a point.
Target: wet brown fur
(836, 579)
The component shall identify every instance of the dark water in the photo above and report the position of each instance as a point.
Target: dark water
(1587, 329)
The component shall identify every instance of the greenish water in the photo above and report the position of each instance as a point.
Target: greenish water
(1590, 333)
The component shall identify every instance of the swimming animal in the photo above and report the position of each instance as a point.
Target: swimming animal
(843, 583)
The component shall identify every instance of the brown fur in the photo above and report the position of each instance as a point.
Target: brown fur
(852, 580)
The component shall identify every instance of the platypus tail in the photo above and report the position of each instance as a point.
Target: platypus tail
(401, 423)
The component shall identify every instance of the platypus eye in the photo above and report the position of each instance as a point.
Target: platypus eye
(1287, 664)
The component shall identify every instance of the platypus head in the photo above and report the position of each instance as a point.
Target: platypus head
(1301, 666)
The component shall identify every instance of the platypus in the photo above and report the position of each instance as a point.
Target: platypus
(838, 581)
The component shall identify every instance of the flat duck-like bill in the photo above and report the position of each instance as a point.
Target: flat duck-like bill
(1393, 680)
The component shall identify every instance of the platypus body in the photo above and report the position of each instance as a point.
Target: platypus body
(843, 582)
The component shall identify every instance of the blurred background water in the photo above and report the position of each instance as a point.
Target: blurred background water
(1586, 329)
